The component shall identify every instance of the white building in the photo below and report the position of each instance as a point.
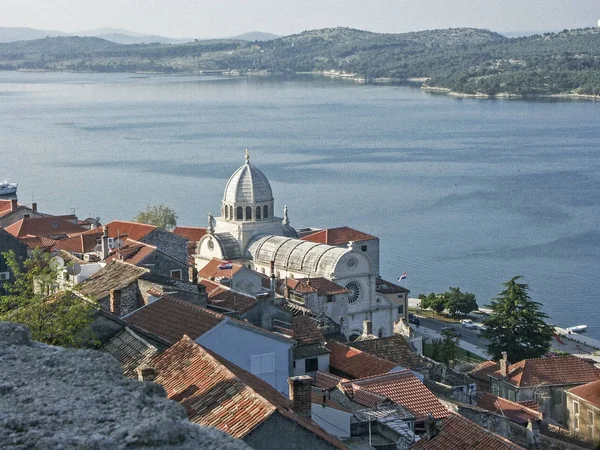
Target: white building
(247, 232)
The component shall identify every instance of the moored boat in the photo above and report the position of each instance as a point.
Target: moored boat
(7, 188)
(577, 329)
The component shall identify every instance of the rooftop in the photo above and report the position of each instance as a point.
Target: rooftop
(327, 380)
(133, 252)
(192, 234)
(513, 411)
(401, 387)
(590, 392)
(79, 243)
(133, 230)
(322, 286)
(306, 331)
(386, 287)
(115, 275)
(559, 370)
(43, 226)
(356, 363)
(170, 318)
(392, 348)
(212, 272)
(338, 236)
(459, 433)
(131, 350)
(223, 297)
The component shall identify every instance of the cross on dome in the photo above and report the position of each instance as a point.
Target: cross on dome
(247, 157)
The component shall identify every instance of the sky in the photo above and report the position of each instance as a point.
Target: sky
(221, 18)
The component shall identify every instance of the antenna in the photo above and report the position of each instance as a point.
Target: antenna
(56, 263)
(75, 269)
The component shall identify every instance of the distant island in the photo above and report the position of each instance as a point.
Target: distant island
(459, 61)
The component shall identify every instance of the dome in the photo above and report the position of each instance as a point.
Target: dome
(248, 185)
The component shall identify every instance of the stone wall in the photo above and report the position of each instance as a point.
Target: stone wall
(57, 398)
(169, 243)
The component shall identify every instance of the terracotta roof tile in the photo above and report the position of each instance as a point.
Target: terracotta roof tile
(79, 243)
(212, 272)
(355, 363)
(115, 275)
(338, 236)
(220, 394)
(322, 286)
(133, 230)
(392, 348)
(512, 410)
(223, 297)
(481, 371)
(559, 370)
(306, 331)
(192, 234)
(170, 318)
(33, 242)
(43, 226)
(132, 252)
(405, 389)
(590, 392)
(327, 381)
(459, 433)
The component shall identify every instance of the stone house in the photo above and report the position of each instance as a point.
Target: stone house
(318, 294)
(396, 295)
(239, 278)
(583, 406)
(11, 212)
(543, 380)
(310, 354)
(220, 394)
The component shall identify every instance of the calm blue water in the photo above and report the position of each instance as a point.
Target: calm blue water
(461, 193)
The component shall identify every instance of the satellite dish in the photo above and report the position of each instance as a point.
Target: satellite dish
(75, 269)
(57, 263)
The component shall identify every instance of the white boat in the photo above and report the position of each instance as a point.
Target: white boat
(7, 188)
(577, 329)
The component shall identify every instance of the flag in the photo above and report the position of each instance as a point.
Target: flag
(403, 276)
(226, 265)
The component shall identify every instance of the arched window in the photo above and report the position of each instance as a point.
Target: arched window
(258, 213)
(226, 212)
(265, 212)
(248, 212)
(239, 213)
(231, 212)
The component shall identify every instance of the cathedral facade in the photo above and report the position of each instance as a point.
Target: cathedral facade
(249, 233)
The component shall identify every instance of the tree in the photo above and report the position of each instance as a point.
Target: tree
(55, 318)
(449, 346)
(517, 324)
(434, 302)
(458, 302)
(158, 215)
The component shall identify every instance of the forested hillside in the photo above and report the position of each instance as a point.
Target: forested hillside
(463, 60)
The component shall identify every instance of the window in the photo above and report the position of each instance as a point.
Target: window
(311, 364)
(264, 363)
(239, 213)
(557, 398)
(258, 213)
(226, 212)
(176, 274)
(265, 212)
(511, 395)
(248, 212)
(575, 407)
(401, 309)
(231, 212)
(355, 291)
(495, 389)
(363, 248)
(590, 424)
(575, 415)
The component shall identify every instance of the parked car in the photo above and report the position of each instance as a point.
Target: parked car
(413, 319)
(453, 331)
(468, 324)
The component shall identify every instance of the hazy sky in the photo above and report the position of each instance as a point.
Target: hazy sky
(219, 18)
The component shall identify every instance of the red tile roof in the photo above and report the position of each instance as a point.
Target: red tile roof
(513, 411)
(338, 236)
(133, 252)
(481, 371)
(79, 243)
(405, 389)
(33, 242)
(43, 226)
(322, 286)
(327, 380)
(223, 297)
(590, 392)
(170, 318)
(306, 331)
(192, 234)
(355, 363)
(217, 393)
(459, 433)
(133, 230)
(212, 272)
(560, 370)
(391, 348)
(6, 207)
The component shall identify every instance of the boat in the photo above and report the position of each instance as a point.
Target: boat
(577, 329)
(7, 188)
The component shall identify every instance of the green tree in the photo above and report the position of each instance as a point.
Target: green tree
(458, 302)
(434, 302)
(449, 347)
(158, 215)
(517, 324)
(54, 317)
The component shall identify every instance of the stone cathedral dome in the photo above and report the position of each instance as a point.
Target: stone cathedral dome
(247, 185)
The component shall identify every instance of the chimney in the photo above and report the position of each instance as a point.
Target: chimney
(115, 302)
(34, 207)
(193, 274)
(430, 426)
(104, 244)
(300, 395)
(367, 327)
(146, 373)
(13, 205)
(504, 365)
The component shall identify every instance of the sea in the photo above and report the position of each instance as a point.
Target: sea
(461, 192)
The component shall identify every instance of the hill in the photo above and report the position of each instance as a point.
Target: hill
(255, 36)
(8, 34)
(464, 60)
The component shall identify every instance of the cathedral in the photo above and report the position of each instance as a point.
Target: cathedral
(249, 233)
